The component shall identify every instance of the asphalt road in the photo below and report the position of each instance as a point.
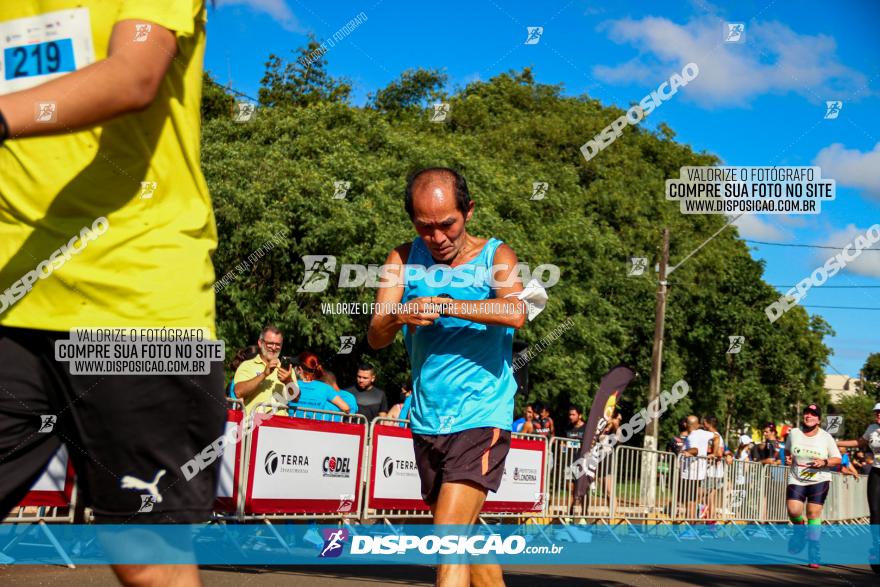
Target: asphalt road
(515, 576)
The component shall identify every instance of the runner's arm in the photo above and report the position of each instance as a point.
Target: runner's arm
(126, 81)
(498, 310)
(387, 321)
(857, 443)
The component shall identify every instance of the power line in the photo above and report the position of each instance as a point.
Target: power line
(835, 286)
(230, 90)
(842, 307)
(801, 245)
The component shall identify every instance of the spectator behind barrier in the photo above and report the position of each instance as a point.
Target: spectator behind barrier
(314, 394)
(259, 379)
(400, 411)
(245, 354)
(693, 471)
(329, 377)
(715, 469)
(869, 464)
(743, 452)
(543, 425)
(846, 466)
(767, 452)
(526, 424)
(370, 399)
(676, 443)
(576, 425)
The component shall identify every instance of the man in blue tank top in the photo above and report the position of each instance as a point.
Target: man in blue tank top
(454, 297)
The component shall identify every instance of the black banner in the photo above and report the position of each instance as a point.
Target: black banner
(612, 386)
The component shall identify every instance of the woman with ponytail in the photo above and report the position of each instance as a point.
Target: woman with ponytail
(314, 393)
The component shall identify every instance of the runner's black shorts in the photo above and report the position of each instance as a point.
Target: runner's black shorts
(475, 455)
(113, 426)
(816, 493)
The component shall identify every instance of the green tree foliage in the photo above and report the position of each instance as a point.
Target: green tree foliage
(414, 88)
(857, 414)
(278, 171)
(871, 373)
(216, 103)
(303, 82)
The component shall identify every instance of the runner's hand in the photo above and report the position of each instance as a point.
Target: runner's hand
(418, 312)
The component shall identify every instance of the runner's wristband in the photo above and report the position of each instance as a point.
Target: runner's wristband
(4, 129)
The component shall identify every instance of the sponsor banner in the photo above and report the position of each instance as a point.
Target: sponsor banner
(55, 486)
(304, 466)
(604, 404)
(395, 483)
(227, 485)
(522, 486)
(506, 544)
(394, 479)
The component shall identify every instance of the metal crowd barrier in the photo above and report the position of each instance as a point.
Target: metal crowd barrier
(846, 499)
(275, 408)
(637, 485)
(415, 509)
(386, 514)
(632, 485)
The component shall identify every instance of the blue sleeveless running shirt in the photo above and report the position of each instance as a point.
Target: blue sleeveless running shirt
(462, 371)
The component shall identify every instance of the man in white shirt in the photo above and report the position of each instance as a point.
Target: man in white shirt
(693, 470)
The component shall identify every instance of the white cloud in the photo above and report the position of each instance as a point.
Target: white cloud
(751, 226)
(277, 9)
(868, 263)
(851, 167)
(772, 59)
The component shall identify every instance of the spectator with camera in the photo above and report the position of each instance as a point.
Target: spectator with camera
(265, 376)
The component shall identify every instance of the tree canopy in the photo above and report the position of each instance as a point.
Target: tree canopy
(277, 172)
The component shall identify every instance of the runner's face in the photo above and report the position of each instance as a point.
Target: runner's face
(811, 419)
(438, 221)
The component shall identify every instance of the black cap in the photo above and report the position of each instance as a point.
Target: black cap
(812, 408)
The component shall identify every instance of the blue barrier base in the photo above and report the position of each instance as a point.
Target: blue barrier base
(507, 544)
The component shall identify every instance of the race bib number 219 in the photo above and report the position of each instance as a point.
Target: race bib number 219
(36, 49)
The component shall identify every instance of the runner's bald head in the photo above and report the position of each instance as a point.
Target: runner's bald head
(437, 183)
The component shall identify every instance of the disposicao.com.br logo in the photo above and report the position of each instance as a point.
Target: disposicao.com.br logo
(448, 544)
(319, 270)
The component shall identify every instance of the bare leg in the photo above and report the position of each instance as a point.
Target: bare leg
(158, 575)
(460, 503)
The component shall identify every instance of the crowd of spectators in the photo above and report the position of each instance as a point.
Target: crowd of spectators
(302, 387)
(262, 372)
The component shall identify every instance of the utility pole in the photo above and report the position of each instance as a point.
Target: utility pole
(652, 438)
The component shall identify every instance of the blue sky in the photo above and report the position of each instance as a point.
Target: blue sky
(758, 102)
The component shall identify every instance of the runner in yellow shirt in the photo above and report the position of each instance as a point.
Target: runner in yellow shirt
(105, 221)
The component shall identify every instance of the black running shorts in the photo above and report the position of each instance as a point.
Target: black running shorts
(127, 435)
(815, 493)
(476, 455)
